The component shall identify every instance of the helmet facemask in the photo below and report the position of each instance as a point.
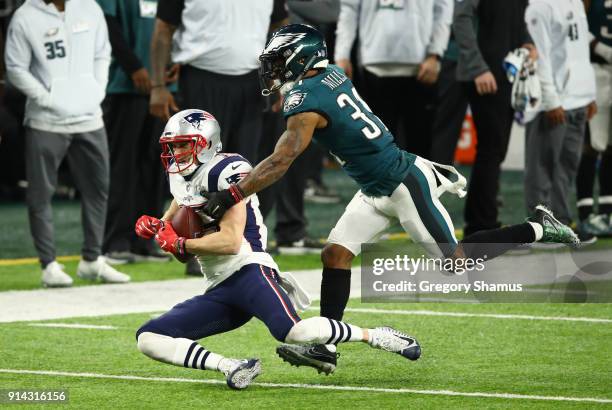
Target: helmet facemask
(274, 73)
(186, 161)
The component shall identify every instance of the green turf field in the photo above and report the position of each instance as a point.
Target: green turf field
(474, 356)
(461, 355)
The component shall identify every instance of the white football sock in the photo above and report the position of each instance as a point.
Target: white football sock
(537, 229)
(178, 351)
(226, 365)
(323, 330)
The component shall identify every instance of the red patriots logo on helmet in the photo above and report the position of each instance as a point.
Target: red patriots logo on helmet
(195, 118)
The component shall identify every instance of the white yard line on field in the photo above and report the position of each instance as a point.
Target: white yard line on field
(315, 386)
(463, 314)
(74, 326)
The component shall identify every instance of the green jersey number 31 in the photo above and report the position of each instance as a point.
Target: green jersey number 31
(371, 130)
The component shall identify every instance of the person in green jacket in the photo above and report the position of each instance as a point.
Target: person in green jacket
(137, 181)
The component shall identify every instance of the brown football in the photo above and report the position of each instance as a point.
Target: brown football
(191, 224)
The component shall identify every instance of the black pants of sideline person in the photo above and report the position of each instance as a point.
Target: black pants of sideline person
(137, 179)
(12, 142)
(234, 100)
(406, 106)
(493, 120)
(450, 113)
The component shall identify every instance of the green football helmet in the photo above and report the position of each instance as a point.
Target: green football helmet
(290, 53)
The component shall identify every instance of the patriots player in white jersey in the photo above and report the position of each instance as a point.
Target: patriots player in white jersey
(242, 279)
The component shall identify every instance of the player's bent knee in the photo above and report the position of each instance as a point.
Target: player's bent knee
(336, 256)
(163, 348)
(152, 326)
(281, 328)
(148, 344)
(141, 330)
(307, 331)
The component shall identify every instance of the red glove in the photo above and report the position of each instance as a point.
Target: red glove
(169, 241)
(147, 226)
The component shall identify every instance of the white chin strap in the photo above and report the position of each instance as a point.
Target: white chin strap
(276, 84)
(185, 172)
(189, 170)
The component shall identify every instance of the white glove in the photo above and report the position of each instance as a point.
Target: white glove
(298, 296)
(514, 62)
(526, 88)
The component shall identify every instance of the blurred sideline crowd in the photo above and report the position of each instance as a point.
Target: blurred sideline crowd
(85, 91)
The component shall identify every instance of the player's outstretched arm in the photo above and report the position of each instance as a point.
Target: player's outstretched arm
(292, 143)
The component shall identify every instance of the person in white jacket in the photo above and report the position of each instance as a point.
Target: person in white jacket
(554, 138)
(597, 146)
(58, 54)
(400, 46)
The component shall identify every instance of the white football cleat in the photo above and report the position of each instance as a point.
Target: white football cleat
(53, 276)
(391, 340)
(99, 269)
(240, 373)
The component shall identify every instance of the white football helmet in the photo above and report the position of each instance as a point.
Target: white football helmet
(196, 127)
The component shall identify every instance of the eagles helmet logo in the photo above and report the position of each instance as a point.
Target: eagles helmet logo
(293, 101)
(282, 40)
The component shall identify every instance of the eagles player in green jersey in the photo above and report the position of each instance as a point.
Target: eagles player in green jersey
(321, 103)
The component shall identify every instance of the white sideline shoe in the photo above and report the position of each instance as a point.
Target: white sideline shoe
(99, 269)
(53, 276)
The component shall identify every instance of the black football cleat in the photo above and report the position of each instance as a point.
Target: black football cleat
(318, 356)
